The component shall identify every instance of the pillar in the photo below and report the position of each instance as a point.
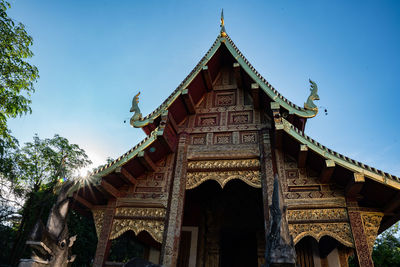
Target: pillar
(266, 173)
(360, 239)
(170, 245)
(103, 244)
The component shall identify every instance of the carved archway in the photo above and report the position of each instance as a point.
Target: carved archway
(223, 171)
(338, 231)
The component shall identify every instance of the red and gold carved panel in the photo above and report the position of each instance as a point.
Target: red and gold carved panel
(211, 119)
(224, 99)
(153, 185)
(222, 138)
(248, 137)
(241, 117)
(198, 139)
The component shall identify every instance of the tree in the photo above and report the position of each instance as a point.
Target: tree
(10, 200)
(37, 168)
(387, 248)
(17, 75)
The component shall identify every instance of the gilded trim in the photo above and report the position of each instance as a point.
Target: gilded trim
(251, 178)
(223, 164)
(154, 227)
(317, 214)
(371, 222)
(339, 231)
(140, 212)
(98, 217)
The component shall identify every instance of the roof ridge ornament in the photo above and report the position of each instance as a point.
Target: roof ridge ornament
(313, 96)
(222, 31)
(135, 108)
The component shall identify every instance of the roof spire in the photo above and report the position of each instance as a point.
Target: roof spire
(222, 32)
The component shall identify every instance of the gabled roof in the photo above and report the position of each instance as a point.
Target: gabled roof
(270, 91)
(298, 134)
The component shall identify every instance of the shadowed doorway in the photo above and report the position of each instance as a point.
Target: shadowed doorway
(230, 223)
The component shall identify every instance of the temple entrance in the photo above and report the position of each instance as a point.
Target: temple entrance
(230, 225)
(238, 248)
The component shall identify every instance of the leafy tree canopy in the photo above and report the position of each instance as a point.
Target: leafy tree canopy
(387, 248)
(17, 75)
(36, 170)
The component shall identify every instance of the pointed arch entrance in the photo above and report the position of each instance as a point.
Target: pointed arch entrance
(230, 225)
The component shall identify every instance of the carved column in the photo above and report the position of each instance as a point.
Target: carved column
(360, 238)
(170, 245)
(103, 243)
(266, 173)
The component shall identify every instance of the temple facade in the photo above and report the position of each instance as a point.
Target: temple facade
(197, 190)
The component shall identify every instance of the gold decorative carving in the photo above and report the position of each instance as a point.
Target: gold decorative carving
(251, 178)
(98, 216)
(153, 227)
(371, 222)
(317, 214)
(141, 212)
(339, 231)
(224, 164)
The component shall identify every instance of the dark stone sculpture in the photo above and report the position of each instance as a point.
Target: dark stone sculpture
(280, 249)
(138, 262)
(50, 244)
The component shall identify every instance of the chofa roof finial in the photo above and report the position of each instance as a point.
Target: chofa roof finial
(222, 32)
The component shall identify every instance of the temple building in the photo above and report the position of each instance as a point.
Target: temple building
(197, 190)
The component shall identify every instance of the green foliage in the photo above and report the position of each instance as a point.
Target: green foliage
(17, 75)
(85, 245)
(125, 248)
(37, 167)
(7, 234)
(42, 162)
(9, 200)
(387, 248)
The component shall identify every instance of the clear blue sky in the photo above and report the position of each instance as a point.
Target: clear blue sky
(93, 56)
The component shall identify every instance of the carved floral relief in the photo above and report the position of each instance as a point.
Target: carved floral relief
(340, 231)
(317, 214)
(141, 212)
(250, 177)
(154, 227)
(223, 164)
(98, 217)
(371, 222)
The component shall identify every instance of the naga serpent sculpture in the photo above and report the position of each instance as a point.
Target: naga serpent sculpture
(313, 96)
(135, 108)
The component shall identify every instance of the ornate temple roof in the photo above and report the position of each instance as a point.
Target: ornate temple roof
(246, 66)
(298, 134)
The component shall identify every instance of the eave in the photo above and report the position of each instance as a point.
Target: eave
(111, 180)
(339, 159)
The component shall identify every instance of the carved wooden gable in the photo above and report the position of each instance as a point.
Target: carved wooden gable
(223, 143)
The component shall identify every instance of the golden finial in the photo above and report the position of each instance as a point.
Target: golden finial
(222, 32)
